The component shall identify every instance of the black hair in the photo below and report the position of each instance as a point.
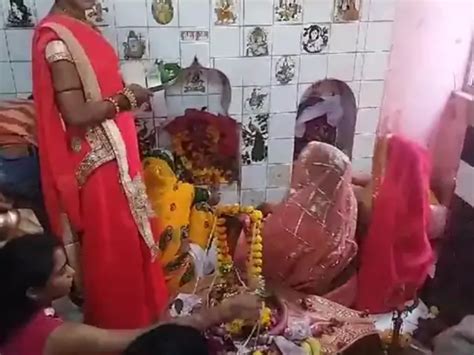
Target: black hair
(169, 339)
(25, 262)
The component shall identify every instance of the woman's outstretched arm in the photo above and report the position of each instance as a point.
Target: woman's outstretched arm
(76, 338)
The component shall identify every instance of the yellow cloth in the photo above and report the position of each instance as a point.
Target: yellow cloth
(172, 201)
(201, 222)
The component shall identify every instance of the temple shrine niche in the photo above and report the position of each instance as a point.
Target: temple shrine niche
(200, 134)
(327, 113)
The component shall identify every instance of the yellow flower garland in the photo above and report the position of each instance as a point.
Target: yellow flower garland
(254, 257)
(254, 239)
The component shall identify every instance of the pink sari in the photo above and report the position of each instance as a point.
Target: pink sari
(93, 175)
(309, 239)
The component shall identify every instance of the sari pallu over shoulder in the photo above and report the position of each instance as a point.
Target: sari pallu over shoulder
(93, 174)
(97, 66)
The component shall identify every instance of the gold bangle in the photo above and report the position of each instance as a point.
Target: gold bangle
(115, 103)
(132, 99)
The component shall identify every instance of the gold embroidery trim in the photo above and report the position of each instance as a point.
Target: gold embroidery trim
(353, 326)
(101, 153)
(134, 188)
(56, 51)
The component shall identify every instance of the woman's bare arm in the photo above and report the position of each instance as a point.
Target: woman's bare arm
(74, 107)
(75, 338)
(205, 319)
(71, 101)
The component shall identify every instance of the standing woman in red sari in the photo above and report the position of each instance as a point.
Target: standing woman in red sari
(91, 170)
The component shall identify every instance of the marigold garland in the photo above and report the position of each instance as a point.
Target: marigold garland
(254, 258)
(254, 239)
(196, 161)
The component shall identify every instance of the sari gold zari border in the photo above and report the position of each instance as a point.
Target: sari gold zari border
(101, 153)
(352, 325)
(107, 136)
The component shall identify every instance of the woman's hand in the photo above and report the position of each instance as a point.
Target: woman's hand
(245, 307)
(242, 306)
(142, 95)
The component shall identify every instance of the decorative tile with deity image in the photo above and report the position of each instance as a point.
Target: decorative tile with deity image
(256, 100)
(195, 82)
(147, 137)
(285, 69)
(163, 11)
(346, 10)
(134, 45)
(315, 38)
(101, 14)
(257, 42)
(226, 12)
(288, 11)
(255, 139)
(18, 13)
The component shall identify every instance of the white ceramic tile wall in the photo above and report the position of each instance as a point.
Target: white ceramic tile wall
(357, 53)
(3, 48)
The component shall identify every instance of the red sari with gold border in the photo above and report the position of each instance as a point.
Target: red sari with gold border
(93, 175)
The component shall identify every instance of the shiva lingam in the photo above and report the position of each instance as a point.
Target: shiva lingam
(239, 335)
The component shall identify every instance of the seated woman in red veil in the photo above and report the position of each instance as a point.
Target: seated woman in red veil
(91, 170)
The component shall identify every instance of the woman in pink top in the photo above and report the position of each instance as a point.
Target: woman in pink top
(34, 272)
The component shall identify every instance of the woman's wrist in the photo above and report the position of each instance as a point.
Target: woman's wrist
(130, 96)
(117, 103)
(123, 102)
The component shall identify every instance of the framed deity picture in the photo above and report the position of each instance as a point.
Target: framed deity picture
(18, 13)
